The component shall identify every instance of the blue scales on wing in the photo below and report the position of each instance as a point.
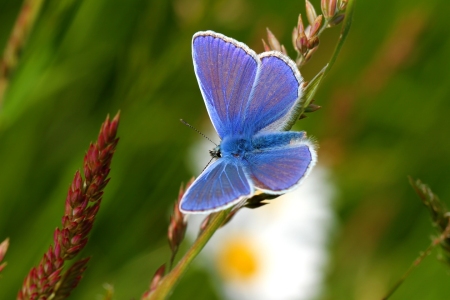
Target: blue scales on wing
(275, 95)
(222, 184)
(225, 72)
(279, 161)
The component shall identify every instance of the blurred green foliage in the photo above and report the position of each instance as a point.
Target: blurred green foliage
(384, 116)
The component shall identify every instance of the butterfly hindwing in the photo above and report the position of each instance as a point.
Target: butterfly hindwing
(221, 185)
(280, 161)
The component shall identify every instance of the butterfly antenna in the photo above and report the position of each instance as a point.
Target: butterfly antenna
(207, 164)
(192, 127)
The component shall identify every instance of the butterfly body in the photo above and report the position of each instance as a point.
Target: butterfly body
(251, 100)
(235, 147)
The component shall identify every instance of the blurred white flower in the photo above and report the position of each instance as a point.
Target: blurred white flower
(278, 251)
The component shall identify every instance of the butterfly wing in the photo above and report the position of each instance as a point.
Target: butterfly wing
(226, 71)
(275, 95)
(221, 185)
(280, 161)
(245, 93)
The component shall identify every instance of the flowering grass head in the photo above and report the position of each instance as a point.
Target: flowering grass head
(82, 205)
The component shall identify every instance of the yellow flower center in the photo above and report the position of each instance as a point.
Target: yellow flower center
(237, 259)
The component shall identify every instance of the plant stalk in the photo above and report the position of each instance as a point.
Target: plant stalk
(418, 260)
(170, 280)
(24, 24)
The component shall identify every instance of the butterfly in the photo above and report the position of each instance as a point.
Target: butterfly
(251, 100)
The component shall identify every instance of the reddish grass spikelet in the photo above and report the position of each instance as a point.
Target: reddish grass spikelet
(82, 204)
(310, 12)
(329, 8)
(178, 224)
(314, 29)
(342, 5)
(283, 50)
(332, 7)
(324, 7)
(266, 47)
(159, 274)
(312, 107)
(71, 279)
(333, 11)
(273, 41)
(299, 37)
(3, 248)
(274, 44)
(306, 40)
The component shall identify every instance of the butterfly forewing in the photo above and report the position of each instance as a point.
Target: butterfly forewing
(226, 72)
(275, 94)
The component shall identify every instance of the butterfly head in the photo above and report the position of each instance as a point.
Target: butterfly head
(216, 152)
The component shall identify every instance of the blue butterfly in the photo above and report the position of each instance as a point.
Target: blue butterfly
(251, 100)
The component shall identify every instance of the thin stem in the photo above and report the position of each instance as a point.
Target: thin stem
(412, 267)
(418, 260)
(324, 26)
(313, 85)
(19, 34)
(170, 280)
(344, 32)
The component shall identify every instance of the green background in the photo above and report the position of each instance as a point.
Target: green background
(385, 115)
